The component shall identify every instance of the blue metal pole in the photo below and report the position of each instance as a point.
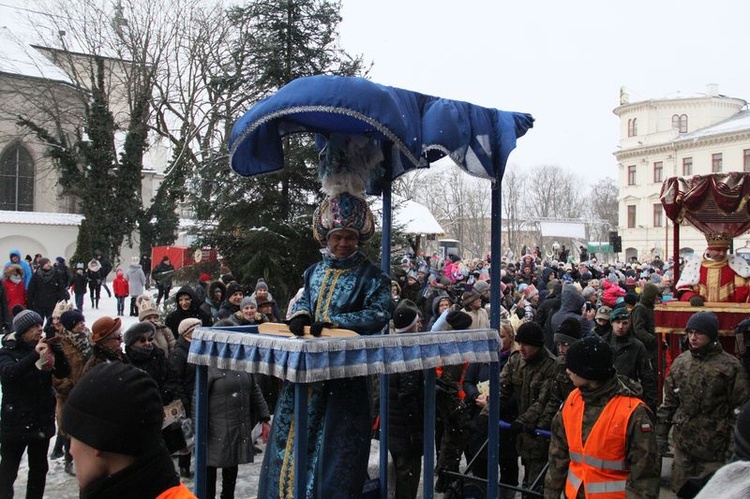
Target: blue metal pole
(201, 430)
(385, 265)
(428, 473)
(494, 415)
(300, 439)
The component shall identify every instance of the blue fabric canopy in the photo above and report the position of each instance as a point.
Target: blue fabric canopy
(420, 127)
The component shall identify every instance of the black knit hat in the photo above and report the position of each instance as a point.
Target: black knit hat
(530, 333)
(25, 320)
(136, 331)
(458, 320)
(705, 322)
(405, 316)
(70, 318)
(591, 358)
(234, 287)
(569, 331)
(117, 408)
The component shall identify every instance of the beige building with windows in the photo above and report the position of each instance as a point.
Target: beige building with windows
(678, 135)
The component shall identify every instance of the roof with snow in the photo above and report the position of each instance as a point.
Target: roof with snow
(39, 218)
(21, 59)
(410, 216)
(738, 123)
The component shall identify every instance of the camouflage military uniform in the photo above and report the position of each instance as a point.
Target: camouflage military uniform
(528, 382)
(701, 394)
(559, 390)
(642, 456)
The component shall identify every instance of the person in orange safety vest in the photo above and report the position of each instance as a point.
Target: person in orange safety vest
(603, 442)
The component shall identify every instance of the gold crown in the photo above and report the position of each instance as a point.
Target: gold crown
(719, 239)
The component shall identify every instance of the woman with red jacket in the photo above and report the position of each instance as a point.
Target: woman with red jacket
(15, 292)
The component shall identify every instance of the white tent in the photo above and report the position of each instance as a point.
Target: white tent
(409, 216)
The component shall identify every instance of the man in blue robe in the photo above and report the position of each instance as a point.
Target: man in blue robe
(344, 290)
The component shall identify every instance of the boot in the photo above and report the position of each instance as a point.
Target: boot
(97, 304)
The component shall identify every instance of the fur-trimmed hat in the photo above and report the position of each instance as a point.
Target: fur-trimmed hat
(103, 327)
(137, 330)
(146, 307)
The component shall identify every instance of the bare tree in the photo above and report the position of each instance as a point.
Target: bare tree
(514, 185)
(603, 206)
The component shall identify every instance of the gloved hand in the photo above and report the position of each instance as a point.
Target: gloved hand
(297, 324)
(317, 327)
(662, 445)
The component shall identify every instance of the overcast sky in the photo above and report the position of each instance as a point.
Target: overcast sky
(563, 62)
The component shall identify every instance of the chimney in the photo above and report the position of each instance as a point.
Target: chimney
(712, 90)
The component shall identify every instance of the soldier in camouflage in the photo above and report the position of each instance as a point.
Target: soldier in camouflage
(702, 394)
(633, 470)
(526, 378)
(567, 334)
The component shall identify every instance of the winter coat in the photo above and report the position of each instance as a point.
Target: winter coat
(641, 456)
(94, 277)
(178, 315)
(643, 326)
(701, 394)
(571, 305)
(527, 382)
(28, 404)
(632, 361)
(163, 274)
(406, 413)
(164, 338)
(238, 319)
(77, 350)
(45, 290)
(120, 286)
(226, 310)
(235, 405)
(209, 305)
(79, 283)
(611, 292)
(15, 293)
(136, 279)
(183, 381)
(153, 361)
(6, 318)
(24, 266)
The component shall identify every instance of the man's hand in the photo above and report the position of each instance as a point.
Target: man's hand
(317, 328)
(481, 400)
(297, 324)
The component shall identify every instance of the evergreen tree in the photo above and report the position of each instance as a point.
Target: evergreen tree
(263, 224)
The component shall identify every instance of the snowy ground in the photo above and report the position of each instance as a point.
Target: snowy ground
(60, 485)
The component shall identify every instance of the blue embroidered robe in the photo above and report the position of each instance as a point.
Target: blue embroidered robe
(353, 294)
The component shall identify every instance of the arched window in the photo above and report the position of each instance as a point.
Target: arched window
(683, 123)
(680, 123)
(632, 127)
(16, 179)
